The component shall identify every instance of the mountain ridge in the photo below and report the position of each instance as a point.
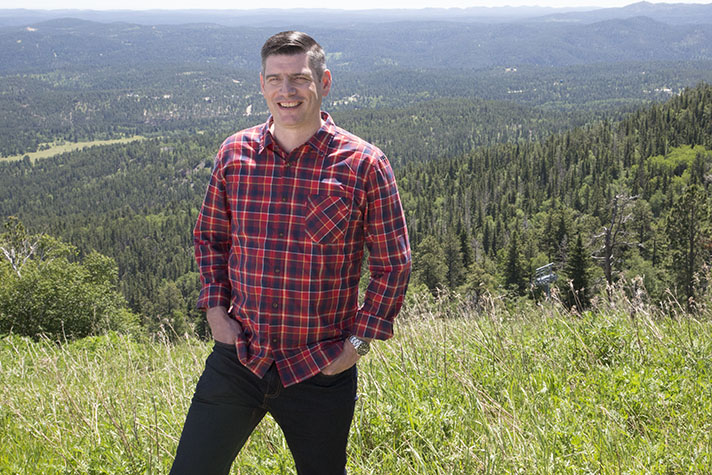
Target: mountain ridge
(673, 13)
(61, 43)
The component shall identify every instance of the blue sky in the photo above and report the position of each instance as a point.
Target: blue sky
(345, 4)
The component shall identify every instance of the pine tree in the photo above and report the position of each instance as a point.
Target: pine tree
(513, 273)
(578, 291)
(453, 261)
(689, 236)
(429, 266)
(466, 249)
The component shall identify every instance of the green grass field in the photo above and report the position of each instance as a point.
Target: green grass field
(458, 390)
(56, 149)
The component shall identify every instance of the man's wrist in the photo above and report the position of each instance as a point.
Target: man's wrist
(361, 345)
(215, 312)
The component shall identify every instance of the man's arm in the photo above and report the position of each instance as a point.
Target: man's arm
(389, 265)
(211, 238)
(389, 258)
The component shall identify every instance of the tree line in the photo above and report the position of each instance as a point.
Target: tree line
(632, 197)
(603, 202)
(82, 104)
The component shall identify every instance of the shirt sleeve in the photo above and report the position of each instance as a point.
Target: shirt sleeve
(211, 238)
(389, 259)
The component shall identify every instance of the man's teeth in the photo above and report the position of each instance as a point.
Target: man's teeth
(289, 104)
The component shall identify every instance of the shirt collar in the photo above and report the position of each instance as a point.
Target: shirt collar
(319, 141)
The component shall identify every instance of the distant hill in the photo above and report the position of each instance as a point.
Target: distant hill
(279, 17)
(671, 13)
(67, 43)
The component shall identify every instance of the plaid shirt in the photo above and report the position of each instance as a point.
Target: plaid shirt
(280, 239)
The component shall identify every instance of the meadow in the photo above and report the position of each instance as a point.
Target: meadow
(52, 149)
(462, 388)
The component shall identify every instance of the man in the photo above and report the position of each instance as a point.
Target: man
(279, 242)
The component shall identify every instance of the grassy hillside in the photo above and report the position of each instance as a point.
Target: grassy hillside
(459, 389)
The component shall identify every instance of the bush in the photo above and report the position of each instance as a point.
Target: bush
(52, 296)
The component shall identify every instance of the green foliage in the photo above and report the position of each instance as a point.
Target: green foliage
(689, 232)
(61, 299)
(171, 312)
(513, 272)
(429, 266)
(499, 169)
(578, 291)
(676, 162)
(598, 181)
(454, 260)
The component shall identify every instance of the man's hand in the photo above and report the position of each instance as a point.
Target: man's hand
(223, 328)
(344, 361)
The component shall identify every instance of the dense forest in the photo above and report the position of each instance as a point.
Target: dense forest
(636, 192)
(91, 104)
(602, 170)
(485, 219)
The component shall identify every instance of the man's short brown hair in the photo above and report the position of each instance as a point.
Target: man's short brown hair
(295, 42)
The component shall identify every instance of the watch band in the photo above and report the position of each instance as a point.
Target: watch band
(362, 347)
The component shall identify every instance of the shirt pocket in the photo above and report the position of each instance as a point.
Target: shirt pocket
(327, 217)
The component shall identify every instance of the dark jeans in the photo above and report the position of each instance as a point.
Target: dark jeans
(229, 401)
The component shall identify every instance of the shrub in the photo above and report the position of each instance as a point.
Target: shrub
(53, 296)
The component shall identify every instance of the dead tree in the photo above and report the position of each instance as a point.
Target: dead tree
(614, 235)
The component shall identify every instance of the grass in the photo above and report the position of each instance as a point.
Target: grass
(59, 148)
(459, 390)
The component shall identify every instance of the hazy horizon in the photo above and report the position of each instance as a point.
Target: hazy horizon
(141, 5)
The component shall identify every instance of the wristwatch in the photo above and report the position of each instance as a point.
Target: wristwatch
(361, 346)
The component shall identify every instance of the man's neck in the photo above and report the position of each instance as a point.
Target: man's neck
(289, 139)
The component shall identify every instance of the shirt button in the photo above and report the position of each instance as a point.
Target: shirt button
(280, 234)
(274, 340)
(277, 270)
(285, 199)
(275, 305)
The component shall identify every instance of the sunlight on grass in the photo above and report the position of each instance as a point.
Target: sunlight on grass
(460, 389)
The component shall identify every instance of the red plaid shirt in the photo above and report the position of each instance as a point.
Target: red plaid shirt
(280, 239)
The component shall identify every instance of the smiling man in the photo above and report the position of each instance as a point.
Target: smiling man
(279, 241)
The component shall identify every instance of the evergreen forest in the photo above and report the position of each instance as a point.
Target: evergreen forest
(594, 169)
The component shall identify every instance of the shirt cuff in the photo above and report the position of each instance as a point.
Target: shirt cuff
(371, 326)
(215, 295)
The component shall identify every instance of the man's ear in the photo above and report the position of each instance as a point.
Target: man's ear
(262, 83)
(326, 82)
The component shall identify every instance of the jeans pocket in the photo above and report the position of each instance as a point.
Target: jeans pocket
(335, 380)
(225, 349)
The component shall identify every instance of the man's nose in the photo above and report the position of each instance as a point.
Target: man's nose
(288, 87)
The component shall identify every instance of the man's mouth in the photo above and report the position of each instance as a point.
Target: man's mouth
(289, 105)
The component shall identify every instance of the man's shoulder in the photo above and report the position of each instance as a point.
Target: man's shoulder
(251, 136)
(343, 139)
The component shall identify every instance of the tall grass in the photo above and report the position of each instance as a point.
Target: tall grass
(460, 389)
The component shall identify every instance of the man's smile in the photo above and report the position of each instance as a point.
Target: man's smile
(289, 105)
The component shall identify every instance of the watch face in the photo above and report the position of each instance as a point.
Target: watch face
(361, 346)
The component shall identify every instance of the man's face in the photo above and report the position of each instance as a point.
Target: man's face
(293, 92)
